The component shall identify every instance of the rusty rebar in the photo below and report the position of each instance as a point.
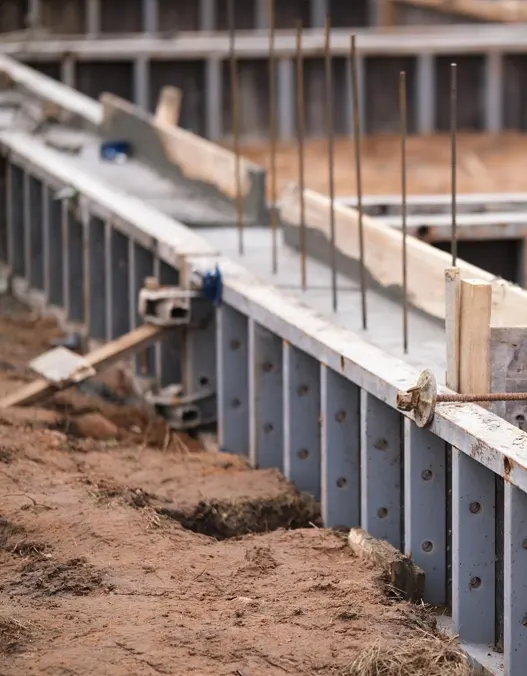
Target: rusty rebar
(235, 123)
(300, 131)
(475, 398)
(358, 171)
(404, 124)
(328, 107)
(453, 149)
(272, 135)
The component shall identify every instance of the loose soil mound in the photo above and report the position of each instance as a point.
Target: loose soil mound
(138, 552)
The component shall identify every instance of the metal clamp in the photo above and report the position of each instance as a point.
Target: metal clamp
(182, 412)
(172, 305)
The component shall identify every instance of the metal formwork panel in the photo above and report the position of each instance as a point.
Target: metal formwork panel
(302, 423)
(120, 283)
(340, 421)
(16, 226)
(35, 232)
(471, 85)
(75, 277)
(266, 410)
(98, 281)
(121, 16)
(95, 78)
(169, 347)
(473, 550)
(381, 470)
(143, 267)
(183, 15)
(55, 249)
(245, 18)
(382, 93)
(233, 373)
(515, 587)
(4, 209)
(13, 14)
(64, 16)
(425, 507)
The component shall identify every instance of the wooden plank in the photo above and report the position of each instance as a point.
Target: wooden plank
(474, 336)
(383, 246)
(169, 106)
(99, 359)
(402, 573)
(452, 325)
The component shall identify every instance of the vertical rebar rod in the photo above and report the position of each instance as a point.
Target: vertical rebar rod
(331, 158)
(272, 134)
(300, 130)
(453, 146)
(235, 124)
(358, 171)
(404, 124)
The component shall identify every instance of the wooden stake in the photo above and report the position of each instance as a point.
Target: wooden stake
(452, 314)
(169, 106)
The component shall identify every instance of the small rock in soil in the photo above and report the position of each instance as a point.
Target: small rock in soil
(93, 426)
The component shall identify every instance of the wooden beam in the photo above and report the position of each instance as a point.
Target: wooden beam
(474, 336)
(402, 573)
(383, 246)
(168, 107)
(98, 359)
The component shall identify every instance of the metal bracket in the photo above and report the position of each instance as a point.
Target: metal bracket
(173, 305)
(165, 305)
(182, 412)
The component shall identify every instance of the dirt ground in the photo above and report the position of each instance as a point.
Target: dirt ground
(486, 163)
(125, 550)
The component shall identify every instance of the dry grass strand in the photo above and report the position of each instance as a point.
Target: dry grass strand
(426, 655)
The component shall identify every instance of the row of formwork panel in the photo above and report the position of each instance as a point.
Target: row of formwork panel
(490, 91)
(280, 405)
(103, 17)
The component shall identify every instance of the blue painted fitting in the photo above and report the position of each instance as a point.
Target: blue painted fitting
(212, 286)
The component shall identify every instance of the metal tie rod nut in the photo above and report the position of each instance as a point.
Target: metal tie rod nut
(422, 398)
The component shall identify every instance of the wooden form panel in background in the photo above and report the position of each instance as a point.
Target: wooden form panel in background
(506, 11)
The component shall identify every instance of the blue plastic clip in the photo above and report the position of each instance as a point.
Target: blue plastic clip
(212, 287)
(112, 151)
